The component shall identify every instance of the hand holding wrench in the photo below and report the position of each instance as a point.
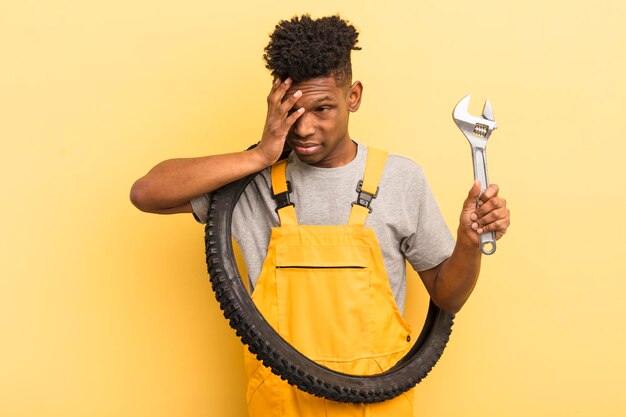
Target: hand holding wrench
(477, 131)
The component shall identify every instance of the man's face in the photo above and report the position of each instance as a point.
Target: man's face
(320, 135)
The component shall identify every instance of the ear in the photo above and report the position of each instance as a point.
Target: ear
(354, 96)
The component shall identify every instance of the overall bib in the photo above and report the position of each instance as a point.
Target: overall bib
(325, 290)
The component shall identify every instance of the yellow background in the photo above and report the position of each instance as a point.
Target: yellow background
(107, 311)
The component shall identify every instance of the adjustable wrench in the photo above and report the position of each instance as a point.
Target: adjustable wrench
(477, 131)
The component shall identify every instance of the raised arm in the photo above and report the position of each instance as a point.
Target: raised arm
(451, 282)
(168, 187)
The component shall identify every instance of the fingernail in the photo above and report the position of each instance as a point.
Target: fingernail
(297, 93)
(288, 81)
(474, 217)
(480, 231)
(474, 226)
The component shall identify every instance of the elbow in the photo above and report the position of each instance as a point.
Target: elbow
(452, 309)
(140, 195)
(449, 306)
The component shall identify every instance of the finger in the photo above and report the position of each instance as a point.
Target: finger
(500, 227)
(490, 192)
(276, 96)
(472, 196)
(291, 119)
(275, 83)
(489, 206)
(493, 216)
(289, 102)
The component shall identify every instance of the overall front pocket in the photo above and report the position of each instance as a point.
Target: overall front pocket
(324, 300)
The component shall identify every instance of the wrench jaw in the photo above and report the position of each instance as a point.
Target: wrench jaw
(476, 129)
(488, 112)
(460, 113)
(460, 110)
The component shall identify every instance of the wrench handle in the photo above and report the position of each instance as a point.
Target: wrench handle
(479, 157)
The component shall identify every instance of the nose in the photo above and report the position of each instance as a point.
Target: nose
(303, 127)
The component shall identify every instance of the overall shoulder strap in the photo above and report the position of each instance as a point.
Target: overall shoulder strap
(280, 192)
(368, 187)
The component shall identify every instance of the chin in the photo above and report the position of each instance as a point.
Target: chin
(312, 159)
(309, 159)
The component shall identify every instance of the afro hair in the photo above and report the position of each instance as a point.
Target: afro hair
(303, 48)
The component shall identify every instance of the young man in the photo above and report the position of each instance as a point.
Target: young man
(309, 104)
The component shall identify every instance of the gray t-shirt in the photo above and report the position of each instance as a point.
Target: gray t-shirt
(406, 219)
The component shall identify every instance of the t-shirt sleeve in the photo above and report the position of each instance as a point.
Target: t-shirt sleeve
(430, 241)
(200, 206)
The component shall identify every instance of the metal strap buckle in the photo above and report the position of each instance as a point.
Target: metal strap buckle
(364, 198)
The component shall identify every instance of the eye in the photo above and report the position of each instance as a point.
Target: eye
(323, 108)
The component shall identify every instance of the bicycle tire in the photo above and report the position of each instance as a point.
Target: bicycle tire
(285, 360)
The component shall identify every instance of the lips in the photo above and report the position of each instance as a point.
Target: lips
(305, 148)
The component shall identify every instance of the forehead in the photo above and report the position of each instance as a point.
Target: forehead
(317, 89)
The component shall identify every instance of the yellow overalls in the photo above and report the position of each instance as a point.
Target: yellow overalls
(325, 291)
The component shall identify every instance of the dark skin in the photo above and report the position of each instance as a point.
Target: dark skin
(319, 134)
(312, 117)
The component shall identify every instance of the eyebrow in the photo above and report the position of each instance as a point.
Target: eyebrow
(326, 98)
(316, 101)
